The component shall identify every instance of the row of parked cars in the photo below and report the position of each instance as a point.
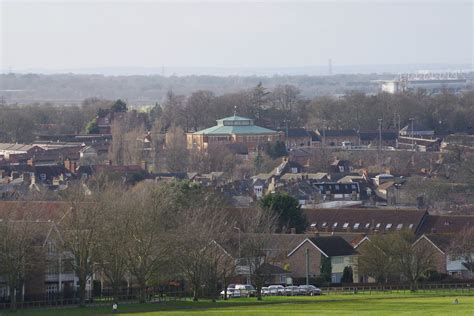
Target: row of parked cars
(247, 290)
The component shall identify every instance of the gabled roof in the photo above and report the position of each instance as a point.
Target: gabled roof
(329, 246)
(270, 269)
(441, 242)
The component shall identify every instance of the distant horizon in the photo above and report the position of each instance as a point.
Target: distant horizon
(309, 70)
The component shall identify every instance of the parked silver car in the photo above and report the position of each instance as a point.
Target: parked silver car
(309, 290)
(277, 289)
(293, 290)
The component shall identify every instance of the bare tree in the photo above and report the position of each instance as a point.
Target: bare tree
(146, 246)
(80, 228)
(396, 255)
(258, 228)
(176, 153)
(19, 250)
(463, 246)
(198, 254)
(111, 253)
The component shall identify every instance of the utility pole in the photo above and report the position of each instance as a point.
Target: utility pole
(307, 266)
(412, 134)
(380, 134)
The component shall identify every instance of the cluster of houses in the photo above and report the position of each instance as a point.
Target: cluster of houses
(336, 235)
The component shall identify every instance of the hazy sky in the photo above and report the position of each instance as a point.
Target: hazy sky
(75, 34)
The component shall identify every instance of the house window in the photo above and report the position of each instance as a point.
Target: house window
(334, 225)
(378, 225)
(388, 226)
(354, 187)
(325, 224)
(341, 168)
(283, 279)
(345, 225)
(367, 225)
(399, 226)
(337, 260)
(410, 226)
(337, 187)
(356, 225)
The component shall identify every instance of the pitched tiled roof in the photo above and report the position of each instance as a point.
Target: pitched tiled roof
(270, 269)
(296, 132)
(445, 224)
(39, 210)
(337, 132)
(364, 220)
(374, 135)
(333, 246)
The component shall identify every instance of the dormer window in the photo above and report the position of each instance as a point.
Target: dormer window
(334, 225)
(378, 225)
(367, 225)
(410, 226)
(388, 226)
(345, 225)
(399, 226)
(325, 225)
(356, 225)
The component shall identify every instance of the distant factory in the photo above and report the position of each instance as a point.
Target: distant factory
(432, 83)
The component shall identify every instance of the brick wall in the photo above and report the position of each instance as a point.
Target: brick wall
(297, 261)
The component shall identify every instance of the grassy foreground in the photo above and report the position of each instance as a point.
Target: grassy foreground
(376, 304)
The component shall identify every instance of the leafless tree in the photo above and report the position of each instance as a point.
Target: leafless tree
(111, 256)
(199, 255)
(463, 246)
(80, 228)
(176, 153)
(20, 249)
(258, 227)
(146, 247)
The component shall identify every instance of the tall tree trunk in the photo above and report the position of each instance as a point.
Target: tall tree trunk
(82, 292)
(142, 295)
(13, 298)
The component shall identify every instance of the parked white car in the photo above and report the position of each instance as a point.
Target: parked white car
(265, 291)
(246, 290)
(310, 290)
(277, 289)
(231, 293)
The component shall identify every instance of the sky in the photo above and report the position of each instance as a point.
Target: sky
(80, 34)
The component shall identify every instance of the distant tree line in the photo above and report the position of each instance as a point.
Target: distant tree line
(282, 107)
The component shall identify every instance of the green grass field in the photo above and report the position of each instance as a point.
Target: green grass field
(375, 304)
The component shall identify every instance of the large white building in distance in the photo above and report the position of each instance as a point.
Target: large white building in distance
(432, 83)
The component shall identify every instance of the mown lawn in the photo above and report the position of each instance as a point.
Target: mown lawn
(375, 304)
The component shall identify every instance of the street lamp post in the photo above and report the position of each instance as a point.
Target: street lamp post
(238, 229)
(380, 133)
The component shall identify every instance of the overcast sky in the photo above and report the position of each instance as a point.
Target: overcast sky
(67, 34)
